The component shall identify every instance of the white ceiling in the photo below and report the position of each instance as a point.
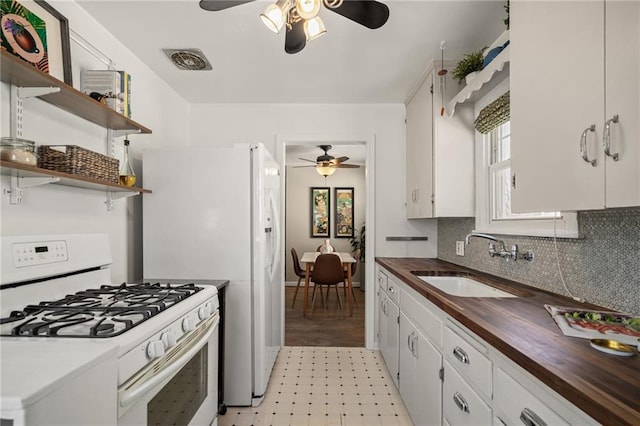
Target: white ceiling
(349, 64)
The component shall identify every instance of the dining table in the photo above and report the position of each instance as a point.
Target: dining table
(309, 259)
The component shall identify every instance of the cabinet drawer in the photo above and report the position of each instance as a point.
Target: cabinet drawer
(468, 356)
(461, 405)
(393, 289)
(382, 280)
(416, 308)
(515, 405)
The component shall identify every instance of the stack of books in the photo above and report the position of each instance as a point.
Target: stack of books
(112, 87)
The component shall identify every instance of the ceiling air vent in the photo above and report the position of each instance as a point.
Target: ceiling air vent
(188, 59)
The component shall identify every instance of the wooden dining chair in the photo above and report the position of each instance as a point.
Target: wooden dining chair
(299, 271)
(354, 268)
(328, 271)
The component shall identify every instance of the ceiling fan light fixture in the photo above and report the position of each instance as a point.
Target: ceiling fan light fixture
(314, 28)
(325, 170)
(275, 15)
(308, 9)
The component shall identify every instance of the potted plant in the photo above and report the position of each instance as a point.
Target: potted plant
(471, 63)
(358, 242)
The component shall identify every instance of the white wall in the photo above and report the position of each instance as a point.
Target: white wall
(298, 211)
(58, 209)
(225, 124)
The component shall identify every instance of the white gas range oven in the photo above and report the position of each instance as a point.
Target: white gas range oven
(77, 349)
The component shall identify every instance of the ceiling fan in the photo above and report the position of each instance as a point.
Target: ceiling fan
(326, 164)
(301, 16)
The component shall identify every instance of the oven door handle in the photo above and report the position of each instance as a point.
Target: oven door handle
(165, 367)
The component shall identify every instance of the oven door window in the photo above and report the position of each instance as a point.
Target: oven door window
(179, 400)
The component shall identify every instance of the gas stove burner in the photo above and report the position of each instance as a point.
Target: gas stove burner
(106, 311)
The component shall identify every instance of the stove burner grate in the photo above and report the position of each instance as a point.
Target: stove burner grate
(107, 311)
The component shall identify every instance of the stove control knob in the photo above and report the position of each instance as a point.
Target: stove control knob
(188, 324)
(169, 339)
(204, 312)
(155, 349)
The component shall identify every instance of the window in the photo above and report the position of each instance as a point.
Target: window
(493, 186)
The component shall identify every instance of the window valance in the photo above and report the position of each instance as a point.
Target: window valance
(493, 115)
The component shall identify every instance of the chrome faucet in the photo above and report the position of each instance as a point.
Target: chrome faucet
(501, 250)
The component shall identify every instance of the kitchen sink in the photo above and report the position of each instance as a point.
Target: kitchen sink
(463, 286)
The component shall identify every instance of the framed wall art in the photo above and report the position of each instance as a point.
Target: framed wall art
(38, 34)
(320, 208)
(343, 218)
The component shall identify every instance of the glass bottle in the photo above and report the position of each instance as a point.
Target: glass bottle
(127, 175)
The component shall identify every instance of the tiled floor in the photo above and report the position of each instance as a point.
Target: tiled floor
(325, 386)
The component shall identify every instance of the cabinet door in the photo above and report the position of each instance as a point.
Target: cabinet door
(389, 335)
(419, 365)
(622, 38)
(419, 152)
(557, 92)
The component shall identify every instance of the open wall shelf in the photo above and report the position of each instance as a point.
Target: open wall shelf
(20, 74)
(44, 176)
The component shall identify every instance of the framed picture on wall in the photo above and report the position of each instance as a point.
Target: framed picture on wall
(38, 34)
(320, 208)
(343, 218)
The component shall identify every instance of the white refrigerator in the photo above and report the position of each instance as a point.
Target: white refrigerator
(213, 214)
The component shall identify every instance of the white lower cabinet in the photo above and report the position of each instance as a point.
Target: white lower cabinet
(388, 333)
(449, 376)
(515, 405)
(461, 405)
(420, 366)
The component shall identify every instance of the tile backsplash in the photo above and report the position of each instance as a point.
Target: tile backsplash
(602, 266)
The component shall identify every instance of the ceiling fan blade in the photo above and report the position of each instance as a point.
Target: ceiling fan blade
(298, 167)
(340, 160)
(215, 5)
(295, 38)
(347, 166)
(372, 14)
(304, 159)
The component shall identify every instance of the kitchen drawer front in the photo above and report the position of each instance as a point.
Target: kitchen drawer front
(468, 356)
(417, 308)
(393, 290)
(382, 279)
(461, 405)
(515, 405)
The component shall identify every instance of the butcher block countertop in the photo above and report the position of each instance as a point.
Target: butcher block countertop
(607, 387)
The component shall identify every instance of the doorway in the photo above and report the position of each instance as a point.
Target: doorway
(326, 325)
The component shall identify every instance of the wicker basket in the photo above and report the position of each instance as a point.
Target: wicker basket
(75, 160)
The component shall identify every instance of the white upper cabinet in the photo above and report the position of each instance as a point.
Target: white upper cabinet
(574, 66)
(439, 153)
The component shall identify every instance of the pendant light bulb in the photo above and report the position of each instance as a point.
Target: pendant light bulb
(275, 15)
(314, 28)
(308, 9)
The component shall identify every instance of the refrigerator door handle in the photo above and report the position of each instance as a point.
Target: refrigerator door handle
(275, 234)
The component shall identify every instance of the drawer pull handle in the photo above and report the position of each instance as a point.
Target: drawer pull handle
(530, 418)
(392, 290)
(461, 355)
(461, 403)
